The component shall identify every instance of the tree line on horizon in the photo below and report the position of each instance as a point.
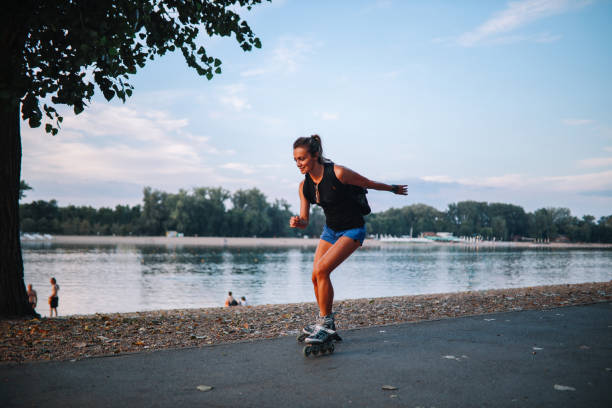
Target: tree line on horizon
(214, 211)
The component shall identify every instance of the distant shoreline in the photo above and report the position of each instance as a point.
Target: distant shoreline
(285, 242)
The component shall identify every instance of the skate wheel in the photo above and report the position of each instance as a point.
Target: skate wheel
(306, 351)
(315, 350)
(331, 348)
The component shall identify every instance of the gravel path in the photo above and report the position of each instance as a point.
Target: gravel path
(76, 337)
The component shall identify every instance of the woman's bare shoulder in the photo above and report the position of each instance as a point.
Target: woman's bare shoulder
(339, 169)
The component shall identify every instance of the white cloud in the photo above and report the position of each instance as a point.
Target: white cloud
(236, 102)
(287, 57)
(329, 116)
(516, 15)
(234, 97)
(240, 167)
(547, 38)
(291, 53)
(571, 183)
(576, 122)
(119, 143)
(246, 168)
(596, 162)
(104, 120)
(512, 39)
(253, 72)
(392, 74)
(377, 5)
(438, 179)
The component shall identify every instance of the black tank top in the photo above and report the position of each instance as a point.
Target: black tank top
(341, 210)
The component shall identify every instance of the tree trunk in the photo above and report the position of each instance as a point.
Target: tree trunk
(13, 295)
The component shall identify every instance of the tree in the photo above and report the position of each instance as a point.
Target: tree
(249, 217)
(23, 187)
(57, 52)
(468, 217)
(200, 213)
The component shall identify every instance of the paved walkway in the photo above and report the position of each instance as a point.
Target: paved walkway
(554, 358)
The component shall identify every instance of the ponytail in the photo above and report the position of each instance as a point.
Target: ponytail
(314, 146)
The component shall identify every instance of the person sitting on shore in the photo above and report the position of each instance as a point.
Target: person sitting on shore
(243, 301)
(53, 299)
(32, 297)
(230, 301)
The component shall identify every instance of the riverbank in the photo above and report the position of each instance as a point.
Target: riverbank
(283, 242)
(77, 337)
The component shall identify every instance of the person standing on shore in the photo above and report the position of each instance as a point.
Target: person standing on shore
(32, 297)
(329, 186)
(53, 299)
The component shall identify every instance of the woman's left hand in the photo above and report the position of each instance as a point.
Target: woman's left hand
(400, 189)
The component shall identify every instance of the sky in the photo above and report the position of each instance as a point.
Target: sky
(491, 101)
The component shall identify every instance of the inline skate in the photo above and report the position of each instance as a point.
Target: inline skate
(327, 321)
(321, 340)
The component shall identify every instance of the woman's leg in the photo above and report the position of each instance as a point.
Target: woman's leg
(322, 248)
(327, 261)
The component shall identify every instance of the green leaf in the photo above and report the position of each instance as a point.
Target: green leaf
(218, 71)
(48, 128)
(108, 94)
(217, 62)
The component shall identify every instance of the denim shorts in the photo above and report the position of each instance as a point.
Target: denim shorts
(331, 236)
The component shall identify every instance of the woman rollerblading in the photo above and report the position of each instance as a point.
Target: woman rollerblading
(341, 193)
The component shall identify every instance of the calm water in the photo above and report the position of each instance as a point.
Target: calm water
(126, 278)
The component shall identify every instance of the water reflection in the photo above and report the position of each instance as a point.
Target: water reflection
(111, 278)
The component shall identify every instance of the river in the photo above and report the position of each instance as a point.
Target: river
(127, 278)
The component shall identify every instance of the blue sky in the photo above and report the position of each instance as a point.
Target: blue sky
(486, 100)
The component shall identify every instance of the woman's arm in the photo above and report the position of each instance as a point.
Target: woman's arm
(301, 221)
(348, 176)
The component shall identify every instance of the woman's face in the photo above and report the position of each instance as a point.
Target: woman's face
(304, 160)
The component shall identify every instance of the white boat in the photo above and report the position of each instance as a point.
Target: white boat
(405, 239)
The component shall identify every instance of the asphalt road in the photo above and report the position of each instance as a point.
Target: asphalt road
(554, 358)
